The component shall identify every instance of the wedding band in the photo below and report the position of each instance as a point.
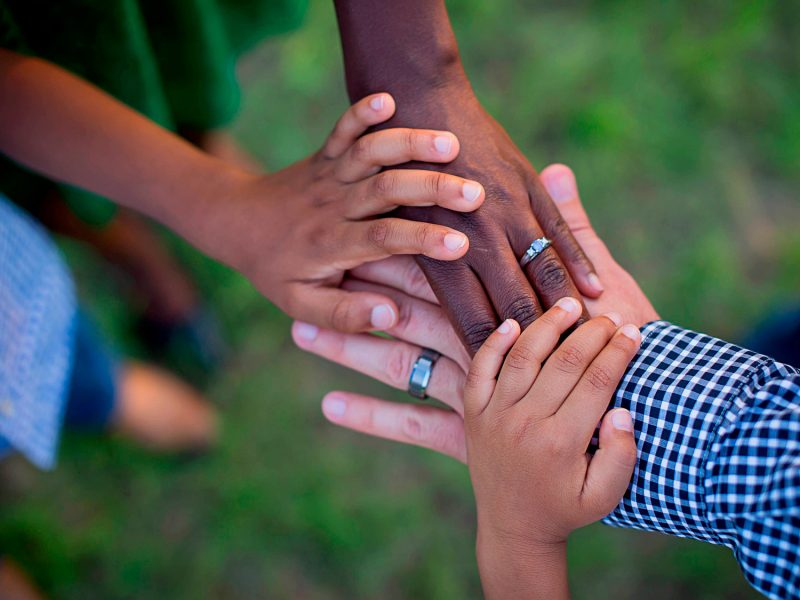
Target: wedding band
(421, 373)
(535, 249)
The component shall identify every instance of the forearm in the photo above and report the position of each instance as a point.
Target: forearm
(716, 427)
(522, 570)
(58, 125)
(405, 48)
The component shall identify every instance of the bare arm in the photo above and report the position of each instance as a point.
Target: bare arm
(408, 48)
(293, 233)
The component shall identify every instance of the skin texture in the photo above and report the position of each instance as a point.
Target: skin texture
(422, 323)
(528, 426)
(292, 233)
(408, 48)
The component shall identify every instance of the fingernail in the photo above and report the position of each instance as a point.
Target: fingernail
(334, 406)
(454, 241)
(443, 144)
(631, 331)
(505, 327)
(615, 318)
(594, 282)
(562, 188)
(569, 304)
(382, 316)
(376, 103)
(471, 191)
(306, 331)
(621, 419)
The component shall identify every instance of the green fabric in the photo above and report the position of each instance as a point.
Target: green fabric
(172, 60)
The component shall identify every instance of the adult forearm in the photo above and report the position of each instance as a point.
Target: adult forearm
(60, 126)
(405, 48)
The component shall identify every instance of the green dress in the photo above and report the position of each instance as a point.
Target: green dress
(172, 60)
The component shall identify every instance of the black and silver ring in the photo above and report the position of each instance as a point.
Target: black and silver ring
(421, 373)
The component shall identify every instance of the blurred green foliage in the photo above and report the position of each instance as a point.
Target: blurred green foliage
(682, 122)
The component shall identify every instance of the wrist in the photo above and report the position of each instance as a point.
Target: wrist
(203, 202)
(515, 567)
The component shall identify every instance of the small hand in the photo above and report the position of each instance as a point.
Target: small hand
(297, 231)
(422, 323)
(531, 407)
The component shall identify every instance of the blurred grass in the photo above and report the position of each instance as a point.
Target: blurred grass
(682, 123)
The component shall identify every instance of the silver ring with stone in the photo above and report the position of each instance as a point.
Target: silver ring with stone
(535, 249)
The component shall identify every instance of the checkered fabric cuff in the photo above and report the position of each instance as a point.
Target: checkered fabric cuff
(718, 435)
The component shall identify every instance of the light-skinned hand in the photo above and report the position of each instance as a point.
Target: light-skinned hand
(423, 324)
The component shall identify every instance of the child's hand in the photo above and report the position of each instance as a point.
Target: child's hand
(316, 219)
(527, 436)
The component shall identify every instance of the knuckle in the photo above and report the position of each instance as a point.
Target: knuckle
(436, 183)
(520, 358)
(557, 446)
(549, 273)
(410, 142)
(416, 282)
(384, 184)
(599, 377)
(342, 315)
(377, 233)
(412, 427)
(422, 235)
(523, 310)
(361, 151)
(398, 366)
(475, 334)
(472, 380)
(522, 431)
(569, 359)
(405, 320)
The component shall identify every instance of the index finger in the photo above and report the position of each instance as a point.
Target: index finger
(369, 111)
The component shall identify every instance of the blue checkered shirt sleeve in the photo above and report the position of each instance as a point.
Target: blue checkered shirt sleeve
(718, 435)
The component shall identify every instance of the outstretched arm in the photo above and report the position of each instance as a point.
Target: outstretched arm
(408, 48)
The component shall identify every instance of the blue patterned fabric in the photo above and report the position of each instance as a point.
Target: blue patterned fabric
(718, 434)
(37, 318)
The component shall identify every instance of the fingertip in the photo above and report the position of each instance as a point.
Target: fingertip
(383, 316)
(473, 194)
(334, 406)
(621, 420)
(446, 146)
(508, 331)
(571, 306)
(632, 332)
(304, 334)
(590, 285)
(559, 180)
(381, 108)
(456, 245)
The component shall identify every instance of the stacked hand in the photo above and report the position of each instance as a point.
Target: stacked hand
(488, 284)
(529, 424)
(294, 233)
(422, 323)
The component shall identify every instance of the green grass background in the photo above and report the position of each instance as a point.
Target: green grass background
(682, 122)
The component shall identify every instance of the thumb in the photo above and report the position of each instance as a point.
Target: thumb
(348, 312)
(559, 181)
(612, 465)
